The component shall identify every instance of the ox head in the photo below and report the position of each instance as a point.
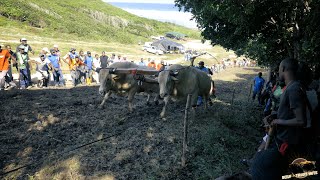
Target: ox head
(106, 77)
(166, 81)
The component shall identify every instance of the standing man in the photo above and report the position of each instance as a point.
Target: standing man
(56, 48)
(57, 72)
(207, 71)
(258, 83)
(4, 65)
(12, 62)
(96, 67)
(27, 48)
(22, 60)
(160, 66)
(141, 63)
(289, 141)
(104, 60)
(88, 61)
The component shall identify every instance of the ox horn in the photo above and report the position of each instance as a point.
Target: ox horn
(174, 73)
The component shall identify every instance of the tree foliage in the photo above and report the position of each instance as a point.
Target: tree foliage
(266, 30)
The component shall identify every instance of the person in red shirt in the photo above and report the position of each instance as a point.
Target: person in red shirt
(4, 65)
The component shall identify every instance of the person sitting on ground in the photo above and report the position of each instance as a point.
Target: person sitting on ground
(258, 86)
(4, 65)
(88, 62)
(152, 64)
(57, 72)
(22, 60)
(289, 125)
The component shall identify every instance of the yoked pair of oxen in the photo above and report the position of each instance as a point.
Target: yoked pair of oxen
(174, 83)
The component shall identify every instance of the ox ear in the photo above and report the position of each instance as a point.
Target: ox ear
(115, 77)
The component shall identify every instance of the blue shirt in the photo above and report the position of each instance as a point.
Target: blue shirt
(258, 83)
(73, 56)
(88, 61)
(204, 69)
(54, 59)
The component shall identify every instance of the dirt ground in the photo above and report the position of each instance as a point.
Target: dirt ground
(61, 134)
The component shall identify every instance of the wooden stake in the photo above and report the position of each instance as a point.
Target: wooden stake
(185, 131)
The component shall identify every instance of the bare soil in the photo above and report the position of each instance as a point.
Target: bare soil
(61, 134)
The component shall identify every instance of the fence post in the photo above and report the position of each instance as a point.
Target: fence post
(185, 131)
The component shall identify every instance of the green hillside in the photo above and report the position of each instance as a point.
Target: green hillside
(82, 20)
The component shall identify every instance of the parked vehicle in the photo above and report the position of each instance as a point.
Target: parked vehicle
(153, 49)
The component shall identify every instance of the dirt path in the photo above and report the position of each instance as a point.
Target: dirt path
(43, 128)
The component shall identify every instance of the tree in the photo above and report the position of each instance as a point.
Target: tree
(265, 30)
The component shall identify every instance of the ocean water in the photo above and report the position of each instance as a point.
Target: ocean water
(160, 12)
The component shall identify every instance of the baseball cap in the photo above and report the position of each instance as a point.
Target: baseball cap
(23, 39)
(55, 46)
(45, 49)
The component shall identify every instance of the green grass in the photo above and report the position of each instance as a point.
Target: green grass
(82, 20)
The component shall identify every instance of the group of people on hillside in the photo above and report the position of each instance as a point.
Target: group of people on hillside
(83, 67)
(291, 121)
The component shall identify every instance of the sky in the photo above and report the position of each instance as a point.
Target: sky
(181, 18)
(144, 1)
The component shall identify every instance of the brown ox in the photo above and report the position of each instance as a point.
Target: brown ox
(123, 83)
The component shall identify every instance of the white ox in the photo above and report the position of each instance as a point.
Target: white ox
(178, 81)
(124, 83)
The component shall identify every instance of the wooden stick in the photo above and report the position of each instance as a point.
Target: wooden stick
(185, 131)
(250, 92)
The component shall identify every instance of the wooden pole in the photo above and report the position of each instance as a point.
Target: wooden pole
(233, 96)
(250, 92)
(185, 131)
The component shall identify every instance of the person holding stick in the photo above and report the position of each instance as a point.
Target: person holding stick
(286, 127)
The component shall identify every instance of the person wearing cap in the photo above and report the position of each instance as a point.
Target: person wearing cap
(56, 48)
(44, 51)
(75, 72)
(88, 61)
(4, 65)
(57, 72)
(96, 67)
(42, 69)
(207, 71)
(104, 60)
(27, 49)
(22, 60)
(70, 55)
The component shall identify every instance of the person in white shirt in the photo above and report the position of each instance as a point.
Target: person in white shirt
(142, 63)
(96, 67)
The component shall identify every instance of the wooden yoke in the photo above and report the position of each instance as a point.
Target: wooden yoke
(133, 71)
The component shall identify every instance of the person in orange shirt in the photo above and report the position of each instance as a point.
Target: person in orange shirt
(4, 65)
(160, 66)
(74, 66)
(152, 64)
